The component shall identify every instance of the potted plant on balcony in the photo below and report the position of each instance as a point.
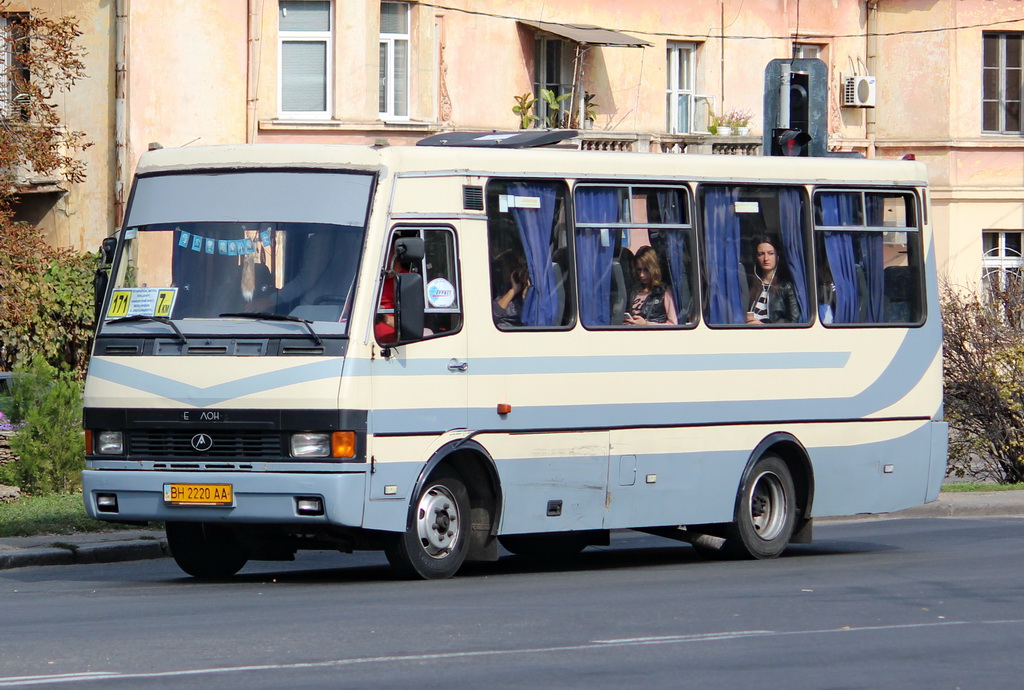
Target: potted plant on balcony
(737, 121)
(524, 104)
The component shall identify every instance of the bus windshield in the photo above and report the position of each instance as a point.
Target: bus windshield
(203, 246)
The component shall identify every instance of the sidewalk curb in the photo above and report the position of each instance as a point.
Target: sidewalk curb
(107, 552)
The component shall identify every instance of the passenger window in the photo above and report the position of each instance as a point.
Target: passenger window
(439, 268)
(633, 256)
(528, 239)
(868, 249)
(755, 254)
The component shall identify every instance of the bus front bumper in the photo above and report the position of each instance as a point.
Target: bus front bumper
(271, 498)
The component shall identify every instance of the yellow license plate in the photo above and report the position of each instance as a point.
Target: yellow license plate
(199, 494)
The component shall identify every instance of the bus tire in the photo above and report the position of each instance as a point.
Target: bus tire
(436, 543)
(205, 550)
(553, 545)
(765, 511)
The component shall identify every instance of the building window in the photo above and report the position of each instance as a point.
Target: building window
(393, 93)
(679, 92)
(553, 70)
(13, 74)
(806, 50)
(1002, 257)
(305, 49)
(1001, 83)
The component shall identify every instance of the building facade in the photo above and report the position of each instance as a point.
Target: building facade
(938, 79)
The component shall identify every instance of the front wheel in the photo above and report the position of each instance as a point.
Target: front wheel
(436, 542)
(204, 550)
(765, 511)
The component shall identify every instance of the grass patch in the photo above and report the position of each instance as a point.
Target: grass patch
(962, 487)
(50, 514)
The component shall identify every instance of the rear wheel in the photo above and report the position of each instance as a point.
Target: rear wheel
(204, 550)
(765, 511)
(436, 543)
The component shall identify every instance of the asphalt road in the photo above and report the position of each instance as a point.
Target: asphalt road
(935, 603)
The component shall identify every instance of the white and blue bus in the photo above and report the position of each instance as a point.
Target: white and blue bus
(435, 350)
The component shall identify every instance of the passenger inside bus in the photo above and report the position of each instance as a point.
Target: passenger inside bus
(507, 306)
(650, 301)
(385, 327)
(772, 297)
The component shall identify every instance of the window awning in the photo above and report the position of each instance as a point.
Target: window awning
(587, 34)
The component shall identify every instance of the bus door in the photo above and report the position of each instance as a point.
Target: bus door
(419, 389)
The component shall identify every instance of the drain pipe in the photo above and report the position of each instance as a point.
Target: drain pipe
(252, 76)
(872, 64)
(120, 110)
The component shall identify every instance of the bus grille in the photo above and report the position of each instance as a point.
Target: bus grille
(160, 443)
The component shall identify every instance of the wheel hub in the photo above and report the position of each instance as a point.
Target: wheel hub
(437, 523)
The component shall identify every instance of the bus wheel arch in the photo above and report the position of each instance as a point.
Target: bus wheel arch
(773, 499)
(458, 471)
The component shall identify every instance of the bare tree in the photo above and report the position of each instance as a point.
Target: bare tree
(983, 368)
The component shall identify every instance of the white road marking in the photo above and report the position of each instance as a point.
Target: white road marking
(15, 681)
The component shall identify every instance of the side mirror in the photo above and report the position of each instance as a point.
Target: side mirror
(107, 250)
(409, 306)
(99, 290)
(409, 250)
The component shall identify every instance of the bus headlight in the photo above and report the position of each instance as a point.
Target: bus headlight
(340, 444)
(310, 445)
(109, 443)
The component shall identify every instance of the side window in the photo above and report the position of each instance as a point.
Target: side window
(755, 255)
(528, 240)
(633, 256)
(439, 269)
(868, 249)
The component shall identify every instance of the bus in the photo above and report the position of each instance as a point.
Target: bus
(436, 350)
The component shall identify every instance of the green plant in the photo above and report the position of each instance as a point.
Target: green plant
(50, 446)
(589, 107)
(50, 514)
(46, 305)
(524, 104)
(556, 116)
(983, 372)
(736, 118)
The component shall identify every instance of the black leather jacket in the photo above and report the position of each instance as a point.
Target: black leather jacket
(782, 304)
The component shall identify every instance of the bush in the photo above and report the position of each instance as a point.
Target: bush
(50, 445)
(983, 369)
(46, 300)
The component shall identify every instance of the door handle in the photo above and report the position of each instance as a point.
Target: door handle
(456, 365)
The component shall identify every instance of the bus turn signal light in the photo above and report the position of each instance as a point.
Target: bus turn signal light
(343, 444)
(504, 408)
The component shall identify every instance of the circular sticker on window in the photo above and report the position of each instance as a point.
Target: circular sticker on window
(440, 293)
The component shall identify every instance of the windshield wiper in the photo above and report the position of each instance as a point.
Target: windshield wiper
(268, 316)
(159, 319)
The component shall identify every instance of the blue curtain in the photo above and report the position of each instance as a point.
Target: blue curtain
(594, 252)
(840, 209)
(792, 226)
(540, 307)
(669, 201)
(870, 246)
(727, 288)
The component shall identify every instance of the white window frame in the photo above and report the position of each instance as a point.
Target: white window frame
(680, 85)
(321, 37)
(565, 74)
(8, 97)
(386, 73)
(806, 51)
(1000, 100)
(1001, 260)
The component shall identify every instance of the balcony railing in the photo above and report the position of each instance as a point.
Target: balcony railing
(644, 142)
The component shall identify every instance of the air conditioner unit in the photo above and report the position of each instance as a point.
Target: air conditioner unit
(859, 92)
